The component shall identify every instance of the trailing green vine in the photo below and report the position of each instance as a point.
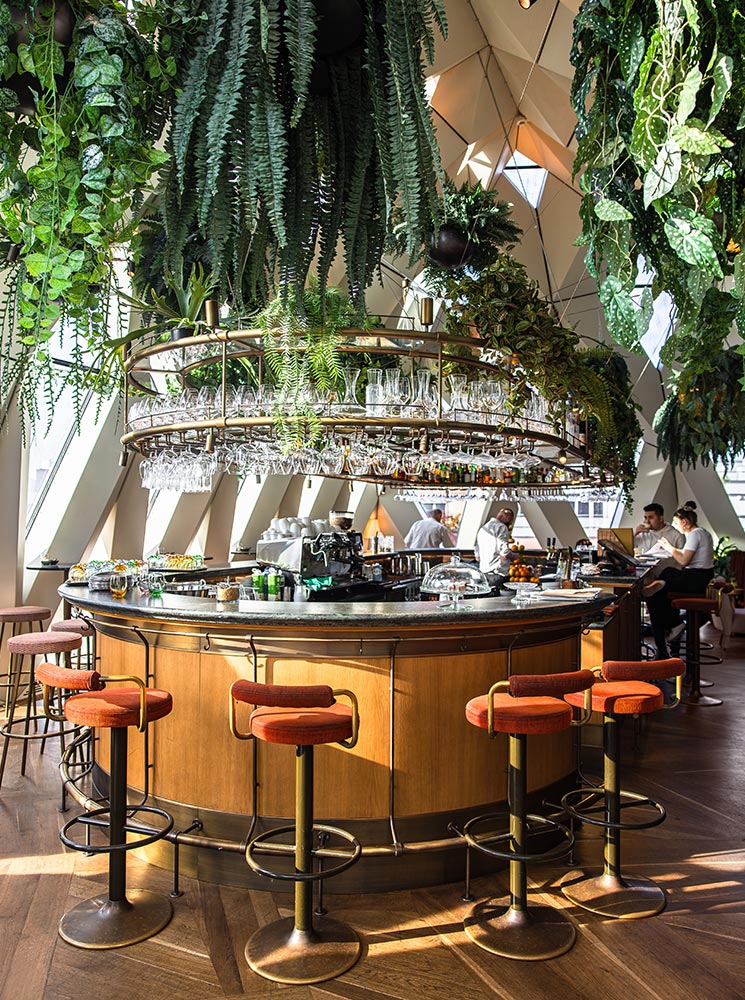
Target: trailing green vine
(703, 418)
(74, 168)
(505, 308)
(659, 94)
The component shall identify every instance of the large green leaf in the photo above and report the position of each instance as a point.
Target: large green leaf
(721, 86)
(692, 245)
(631, 47)
(663, 174)
(620, 312)
(688, 94)
(611, 211)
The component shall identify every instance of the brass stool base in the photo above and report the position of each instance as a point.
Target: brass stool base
(621, 898)
(98, 923)
(285, 955)
(701, 700)
(540, 932)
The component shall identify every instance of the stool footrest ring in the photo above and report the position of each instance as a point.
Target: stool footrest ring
(536, 825)
(6, 729)
(146, 835)
(278, 831)
(627, 800)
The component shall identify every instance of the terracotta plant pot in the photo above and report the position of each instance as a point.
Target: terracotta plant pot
(450, 247)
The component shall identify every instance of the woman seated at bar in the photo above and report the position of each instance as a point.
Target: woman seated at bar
(696, 561)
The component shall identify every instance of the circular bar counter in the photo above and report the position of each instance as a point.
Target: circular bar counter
(418, 766)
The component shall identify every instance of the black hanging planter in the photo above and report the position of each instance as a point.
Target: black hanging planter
(181, 332)
(450, 247)
(24, 84)
(340, 27)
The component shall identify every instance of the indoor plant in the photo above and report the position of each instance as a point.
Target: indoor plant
(281, 144)
(703, 417)
(658, 93)
(505, 308)
(475, 227)
(73, 173)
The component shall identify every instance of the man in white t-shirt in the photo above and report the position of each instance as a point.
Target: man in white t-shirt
(653, 529)
(429, 533)
(493, 542)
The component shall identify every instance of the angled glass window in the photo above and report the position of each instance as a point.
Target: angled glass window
(526, 177)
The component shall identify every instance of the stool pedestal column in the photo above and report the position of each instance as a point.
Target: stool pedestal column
(693, 663)
(293, 950)
(507, 926)
(116, 920)
(613, 894)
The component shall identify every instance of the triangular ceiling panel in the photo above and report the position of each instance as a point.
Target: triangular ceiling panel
(465, 36)
(465, 98)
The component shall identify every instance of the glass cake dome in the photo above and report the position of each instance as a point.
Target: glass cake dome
(456, 580)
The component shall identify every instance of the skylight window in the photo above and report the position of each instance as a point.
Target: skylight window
(526, 177)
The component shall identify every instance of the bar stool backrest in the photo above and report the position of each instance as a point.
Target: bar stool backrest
(643, 670)
(550, 685)
(283, 695)
(69, 680)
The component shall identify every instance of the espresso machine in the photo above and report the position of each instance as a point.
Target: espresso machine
(335, 554)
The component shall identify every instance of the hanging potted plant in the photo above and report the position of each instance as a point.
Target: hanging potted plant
(274, 166)
(476, 226)
(180, 308)
(703, 418)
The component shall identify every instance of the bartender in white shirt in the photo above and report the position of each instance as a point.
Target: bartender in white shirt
(493, 541)
(429, 533)
(649, 534)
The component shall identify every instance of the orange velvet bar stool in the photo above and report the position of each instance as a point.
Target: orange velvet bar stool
(122, 917)
(83, 628)
(696, 609)
(627, 691)
(31, 645)
(294, 950)
(17, 618)
(530, 705)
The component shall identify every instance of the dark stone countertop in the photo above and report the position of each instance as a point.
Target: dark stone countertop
(362, 614)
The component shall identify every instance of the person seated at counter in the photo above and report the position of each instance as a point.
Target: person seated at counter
(429, 533)
(493, 541)
(696, 561)
(653, 529)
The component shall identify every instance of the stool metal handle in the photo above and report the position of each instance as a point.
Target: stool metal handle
(343, 692)
(499, 686)
(235, 731)
(124, 679)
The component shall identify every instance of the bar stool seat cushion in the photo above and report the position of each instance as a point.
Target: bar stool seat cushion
(522, 716)
(33, 643)
(77, 625)
(30, 613)
(116, 709)
(703, 604)
(622, 698)
(302, 727)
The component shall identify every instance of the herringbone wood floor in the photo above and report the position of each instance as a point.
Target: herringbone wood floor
(692, 760)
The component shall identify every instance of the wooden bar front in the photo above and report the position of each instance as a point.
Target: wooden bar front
(418, 765)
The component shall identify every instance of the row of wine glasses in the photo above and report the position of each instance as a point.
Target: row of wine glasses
(180, 471)
(388, 393)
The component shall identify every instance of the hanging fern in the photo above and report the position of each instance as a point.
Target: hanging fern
(317, 147)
